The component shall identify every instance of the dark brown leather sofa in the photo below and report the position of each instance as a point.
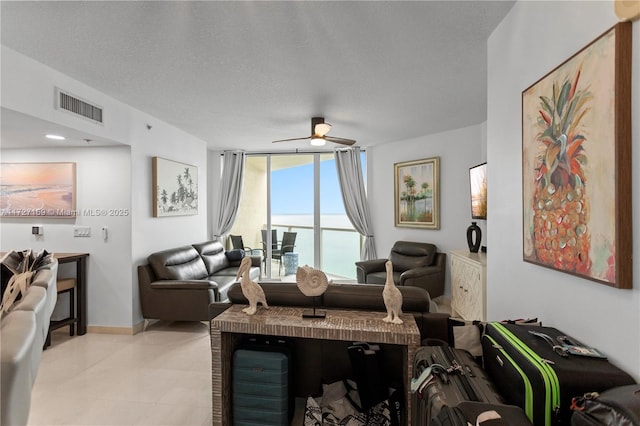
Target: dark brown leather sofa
(179, 284)
(321, 361)
(414, 264)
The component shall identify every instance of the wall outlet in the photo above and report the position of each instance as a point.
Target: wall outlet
(37, 230)
(82, 231)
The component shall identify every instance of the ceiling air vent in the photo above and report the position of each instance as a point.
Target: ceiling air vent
(75, 105)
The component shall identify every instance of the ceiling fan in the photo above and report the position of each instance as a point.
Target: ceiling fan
(319, 130)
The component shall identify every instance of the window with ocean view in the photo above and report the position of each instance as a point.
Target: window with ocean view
(280, 193)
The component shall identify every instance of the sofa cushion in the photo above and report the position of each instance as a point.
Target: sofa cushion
(212, 253)
(410, 255)
(47, 279)
(182, 263)
(35, 301)
(369, 297)
(277, 294)
(224, 284)
(381, 277)
(18, 330)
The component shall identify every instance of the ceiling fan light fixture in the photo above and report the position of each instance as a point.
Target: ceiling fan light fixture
(322, 129)
(318, 141)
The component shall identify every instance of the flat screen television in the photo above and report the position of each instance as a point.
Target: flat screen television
(478, 186)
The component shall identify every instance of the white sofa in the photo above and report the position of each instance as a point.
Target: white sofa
(23, 331)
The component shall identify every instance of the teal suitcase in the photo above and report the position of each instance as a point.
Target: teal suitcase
(261, 394)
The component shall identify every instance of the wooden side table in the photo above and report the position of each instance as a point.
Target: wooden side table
(228, 329)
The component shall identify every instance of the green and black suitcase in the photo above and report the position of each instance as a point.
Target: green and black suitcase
(261, 389)
(450, 389)
(540, 370)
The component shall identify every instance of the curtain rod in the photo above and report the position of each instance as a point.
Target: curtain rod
(297, 151)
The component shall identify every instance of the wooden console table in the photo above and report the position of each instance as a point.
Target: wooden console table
(228, 328)
(80, 259)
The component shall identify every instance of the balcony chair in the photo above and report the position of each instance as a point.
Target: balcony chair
(237, 243)
(414, 264)
(288, 244)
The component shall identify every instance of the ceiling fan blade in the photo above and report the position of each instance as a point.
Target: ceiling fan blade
(342, 141)
(293, 139)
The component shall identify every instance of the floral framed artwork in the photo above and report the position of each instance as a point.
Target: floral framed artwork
(38, 190)
(417, 193)
(175, 188)
(576, 163)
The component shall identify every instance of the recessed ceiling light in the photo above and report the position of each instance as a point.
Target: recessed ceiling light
(55, 137)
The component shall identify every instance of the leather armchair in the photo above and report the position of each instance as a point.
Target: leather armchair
(414, 264)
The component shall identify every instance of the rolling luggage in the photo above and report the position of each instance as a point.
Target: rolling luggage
(480, 413)
(445, 377)
(367, 374)
(541, 370)
(261, 384)
(618, 406)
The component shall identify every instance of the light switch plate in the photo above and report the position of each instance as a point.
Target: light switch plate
(82, 231)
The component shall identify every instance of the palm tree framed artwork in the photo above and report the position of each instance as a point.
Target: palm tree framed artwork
(576, 163)
(175, 188)
(417, 193)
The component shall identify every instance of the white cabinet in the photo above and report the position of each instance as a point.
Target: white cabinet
(469, 285)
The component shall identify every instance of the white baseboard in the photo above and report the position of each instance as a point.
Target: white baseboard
(99, 329)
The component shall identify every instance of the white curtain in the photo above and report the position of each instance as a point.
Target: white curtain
(354, 197)
(230, 191)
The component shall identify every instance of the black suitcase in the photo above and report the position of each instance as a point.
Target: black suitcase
(617, 406)
(445, 377)
(365, 366)
(261, 384)
(537, 373)
(474, 413)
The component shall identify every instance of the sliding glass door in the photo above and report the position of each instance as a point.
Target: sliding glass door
(296, 197)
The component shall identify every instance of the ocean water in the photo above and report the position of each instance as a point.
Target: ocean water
(339, 242)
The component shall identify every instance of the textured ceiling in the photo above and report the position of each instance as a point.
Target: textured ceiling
(241, 74)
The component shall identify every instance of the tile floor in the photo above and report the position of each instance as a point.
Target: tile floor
(159, 377)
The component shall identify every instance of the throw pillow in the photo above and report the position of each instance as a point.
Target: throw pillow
(234, 255)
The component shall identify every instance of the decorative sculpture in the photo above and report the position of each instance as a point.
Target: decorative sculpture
(312, 282)
(392, 297)
(251, 290)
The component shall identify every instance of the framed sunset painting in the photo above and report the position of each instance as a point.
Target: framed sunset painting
(38, 190)
(576, 163)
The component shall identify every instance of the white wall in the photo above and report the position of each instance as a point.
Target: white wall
(98, 171)
(28, 87)
(151, 234)
(533, 39)
(458, 150)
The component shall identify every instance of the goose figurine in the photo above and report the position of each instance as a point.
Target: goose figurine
(251, 290)
(392, 297)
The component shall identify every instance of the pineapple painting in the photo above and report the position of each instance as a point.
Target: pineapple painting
(561, 236)
(569, 120)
